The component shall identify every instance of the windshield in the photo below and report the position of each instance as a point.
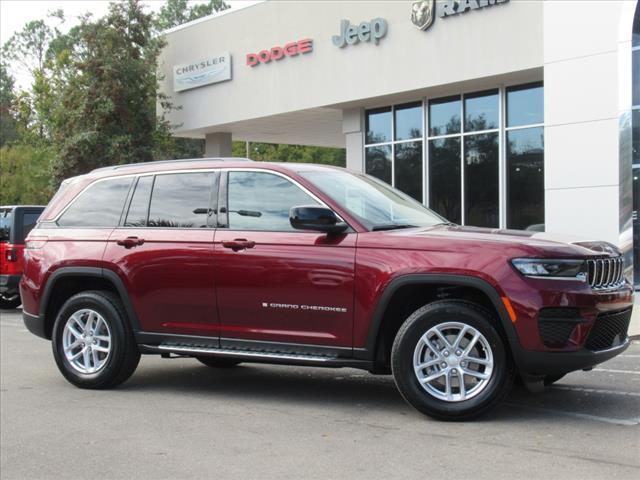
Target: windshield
(5, 224)
(377, 205)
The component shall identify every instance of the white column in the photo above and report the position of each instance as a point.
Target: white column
(354, 135)
(587, 85)
(217, 145)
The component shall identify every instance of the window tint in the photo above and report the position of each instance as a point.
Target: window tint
(29, 221)
(378, 125)
(181, 200)
(408, 122)
(137, 215)
(99, 206)
(481, 111)
(525, 105)
(261, 201)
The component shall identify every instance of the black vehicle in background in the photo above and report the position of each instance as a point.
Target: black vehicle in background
(15, 224)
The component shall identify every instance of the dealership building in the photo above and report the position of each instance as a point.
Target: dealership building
(495, 113)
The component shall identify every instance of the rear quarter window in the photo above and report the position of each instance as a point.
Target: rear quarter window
(100, 205)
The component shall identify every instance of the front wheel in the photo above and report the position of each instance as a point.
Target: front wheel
(450, 362)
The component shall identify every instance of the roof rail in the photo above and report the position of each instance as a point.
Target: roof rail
(162, 162)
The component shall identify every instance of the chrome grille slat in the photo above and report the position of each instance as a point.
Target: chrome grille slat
(605, 273)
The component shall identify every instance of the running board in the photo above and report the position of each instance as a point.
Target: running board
(259, 357)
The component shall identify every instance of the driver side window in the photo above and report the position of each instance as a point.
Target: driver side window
(261, 201)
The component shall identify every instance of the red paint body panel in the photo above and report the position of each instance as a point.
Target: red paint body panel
(170, 278)
(282, 270)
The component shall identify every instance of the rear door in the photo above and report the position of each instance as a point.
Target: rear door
(163, 250)
(277, 284)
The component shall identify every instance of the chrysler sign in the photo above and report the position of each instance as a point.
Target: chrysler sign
(213, 69)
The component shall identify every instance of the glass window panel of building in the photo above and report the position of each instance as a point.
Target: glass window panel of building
(393, 147)
(464, 154)
(525, 157)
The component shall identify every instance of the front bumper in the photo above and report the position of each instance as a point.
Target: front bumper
(9, 284)
(559, 363)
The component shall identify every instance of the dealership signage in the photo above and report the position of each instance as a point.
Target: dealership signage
(423, 11)
(291, 49)
(349, 34)
(213, 69)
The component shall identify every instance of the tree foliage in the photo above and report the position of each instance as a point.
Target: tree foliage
(177, 12)
(94, 100)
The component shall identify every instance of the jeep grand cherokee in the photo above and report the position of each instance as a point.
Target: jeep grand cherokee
(233, 261)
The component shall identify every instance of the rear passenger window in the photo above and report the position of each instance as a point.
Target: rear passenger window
(137, 214)
(181, 200)
(100, 205)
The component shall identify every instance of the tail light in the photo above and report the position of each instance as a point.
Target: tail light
(35, 243)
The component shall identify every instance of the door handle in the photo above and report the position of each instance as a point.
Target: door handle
(238, 244)
(130, 242)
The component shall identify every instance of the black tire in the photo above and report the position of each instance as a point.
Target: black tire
(9, 303)
(407, 338)
(124, 356)
(218, 362)
(551, 379)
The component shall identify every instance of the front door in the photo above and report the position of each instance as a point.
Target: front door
(164, 253)
(274, 283)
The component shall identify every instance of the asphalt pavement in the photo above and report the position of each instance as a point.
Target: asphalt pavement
(180, 419)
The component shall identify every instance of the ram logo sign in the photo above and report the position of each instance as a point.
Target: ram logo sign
(213, 69)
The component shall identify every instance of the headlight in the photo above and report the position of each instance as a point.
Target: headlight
(549, 268)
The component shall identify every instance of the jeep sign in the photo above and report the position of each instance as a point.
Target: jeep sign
(365, 32)
(213, 69)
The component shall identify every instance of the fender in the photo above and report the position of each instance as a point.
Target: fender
(421, 279)
(95, 272)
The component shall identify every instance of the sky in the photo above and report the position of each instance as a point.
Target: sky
(15, 13)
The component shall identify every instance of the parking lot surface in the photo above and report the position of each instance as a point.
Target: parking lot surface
(180, 419)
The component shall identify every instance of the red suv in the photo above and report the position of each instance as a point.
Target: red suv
(16, 221)
(232, 261)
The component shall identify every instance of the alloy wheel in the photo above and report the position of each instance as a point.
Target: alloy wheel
(453, 362)
(86, 341)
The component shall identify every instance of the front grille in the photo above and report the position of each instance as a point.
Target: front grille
(556, 325)
(609, 330)
(605, 273)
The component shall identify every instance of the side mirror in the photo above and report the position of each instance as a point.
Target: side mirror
(313, 217)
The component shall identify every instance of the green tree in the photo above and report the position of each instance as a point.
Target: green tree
(7, 98)
(105, 114)
(24, 174)
(177, 12)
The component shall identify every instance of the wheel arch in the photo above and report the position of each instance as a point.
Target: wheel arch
(68, 281)
(414, 290)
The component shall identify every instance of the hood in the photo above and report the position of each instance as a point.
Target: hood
(532, 243)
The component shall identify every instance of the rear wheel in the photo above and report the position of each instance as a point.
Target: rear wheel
(92, 342)
(450, 362)
(218, 362)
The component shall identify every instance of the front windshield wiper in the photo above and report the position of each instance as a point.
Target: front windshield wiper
(391, 226)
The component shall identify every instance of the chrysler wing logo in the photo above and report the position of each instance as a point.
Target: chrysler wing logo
(422, 13)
